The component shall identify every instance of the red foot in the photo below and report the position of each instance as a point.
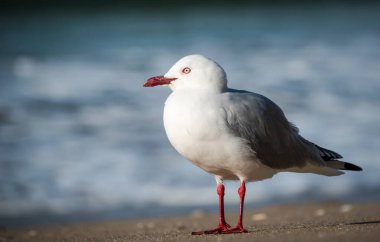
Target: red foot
(238, 229)
(221, 229)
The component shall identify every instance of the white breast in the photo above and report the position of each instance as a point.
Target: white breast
(196, 126)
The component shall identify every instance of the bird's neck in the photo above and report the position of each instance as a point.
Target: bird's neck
(203, 89)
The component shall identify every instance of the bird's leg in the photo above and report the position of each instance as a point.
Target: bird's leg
(222, 220)
(239, 227)
(223, 226)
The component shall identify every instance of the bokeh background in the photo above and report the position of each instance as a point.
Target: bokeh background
(81, 139)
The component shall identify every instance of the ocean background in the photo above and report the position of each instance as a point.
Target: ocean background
(81, 139)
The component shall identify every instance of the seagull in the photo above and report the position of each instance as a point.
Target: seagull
(234, 134)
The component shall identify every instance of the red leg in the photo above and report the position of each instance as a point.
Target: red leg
(239, 227)
(223, 226)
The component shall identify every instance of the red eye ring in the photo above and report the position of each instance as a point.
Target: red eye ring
(186, 70)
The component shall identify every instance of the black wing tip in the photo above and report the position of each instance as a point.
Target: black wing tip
(352, 167)
(327, 154)
(332, 155)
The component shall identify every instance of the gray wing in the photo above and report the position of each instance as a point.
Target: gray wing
(263, 125)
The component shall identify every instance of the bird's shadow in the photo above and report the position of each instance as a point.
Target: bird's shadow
(364, 222)
(314, 226)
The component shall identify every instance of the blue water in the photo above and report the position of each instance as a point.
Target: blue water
(80, 138)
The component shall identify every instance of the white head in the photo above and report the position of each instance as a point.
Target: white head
(192, 72)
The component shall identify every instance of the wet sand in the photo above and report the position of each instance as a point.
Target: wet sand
(292, 222)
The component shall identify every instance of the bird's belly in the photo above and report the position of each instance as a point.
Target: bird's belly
(196, 126)
(217, 158)
(204, 142)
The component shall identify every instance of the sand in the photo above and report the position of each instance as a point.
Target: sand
(292, 222)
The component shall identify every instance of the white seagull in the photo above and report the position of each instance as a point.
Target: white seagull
(234, 134)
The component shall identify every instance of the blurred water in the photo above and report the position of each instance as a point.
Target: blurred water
(79, 136)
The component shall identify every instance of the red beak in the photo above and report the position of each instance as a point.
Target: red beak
(158, 80)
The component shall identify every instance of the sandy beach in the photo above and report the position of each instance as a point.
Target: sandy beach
(290, 222)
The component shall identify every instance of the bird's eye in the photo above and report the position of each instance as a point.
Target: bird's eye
(186, 70)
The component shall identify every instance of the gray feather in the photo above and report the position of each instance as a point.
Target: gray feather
(263, 125)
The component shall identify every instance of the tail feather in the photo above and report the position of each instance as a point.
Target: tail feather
(351, 167)
(342, 165)
(331, 159)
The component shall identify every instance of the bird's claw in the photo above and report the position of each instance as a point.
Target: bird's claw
(238, 229)
(223, 229)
